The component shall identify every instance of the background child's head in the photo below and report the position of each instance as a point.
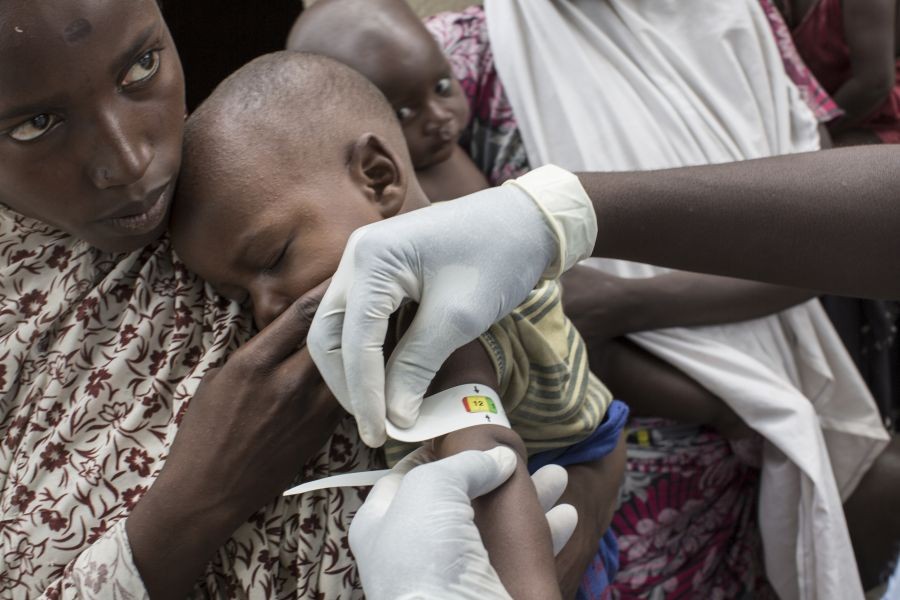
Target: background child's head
(385, 41)
(91, 117)
(282, 163)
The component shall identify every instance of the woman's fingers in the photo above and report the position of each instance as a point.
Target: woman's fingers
(550, 482)
(283, 336)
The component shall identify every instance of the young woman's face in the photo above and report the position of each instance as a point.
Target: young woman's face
(91, 117)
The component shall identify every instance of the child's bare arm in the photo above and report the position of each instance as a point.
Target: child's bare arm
(511, 521)
(869, 30)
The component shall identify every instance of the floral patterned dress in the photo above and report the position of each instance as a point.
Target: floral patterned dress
(99, 357)
(686, 521)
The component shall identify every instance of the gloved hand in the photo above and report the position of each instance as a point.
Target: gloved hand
(415, 536)
(468, 263)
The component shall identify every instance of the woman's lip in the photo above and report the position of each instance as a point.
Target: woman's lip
(146, 221)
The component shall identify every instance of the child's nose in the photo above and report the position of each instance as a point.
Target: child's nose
(267, 305)
(438, 117)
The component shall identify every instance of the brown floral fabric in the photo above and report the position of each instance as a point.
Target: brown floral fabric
(99, 357)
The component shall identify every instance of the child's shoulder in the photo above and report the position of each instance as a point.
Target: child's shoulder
(453, 178)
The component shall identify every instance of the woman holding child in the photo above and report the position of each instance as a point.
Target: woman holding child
(106, 337)
(134, 460)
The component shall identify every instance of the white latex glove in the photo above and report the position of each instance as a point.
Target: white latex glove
(468, 263)
(415, 536)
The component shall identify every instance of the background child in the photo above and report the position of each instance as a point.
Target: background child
(385, 41)
(285, 160)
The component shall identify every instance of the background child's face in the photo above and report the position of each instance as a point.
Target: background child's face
(264, 238)
(429, 101)
(91, 117)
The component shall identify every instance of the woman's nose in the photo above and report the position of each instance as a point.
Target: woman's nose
(267, 305)
(121, 154)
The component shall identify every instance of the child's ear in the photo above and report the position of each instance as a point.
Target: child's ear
(380, 174)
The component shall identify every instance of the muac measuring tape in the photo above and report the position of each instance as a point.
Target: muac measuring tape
(442, 413)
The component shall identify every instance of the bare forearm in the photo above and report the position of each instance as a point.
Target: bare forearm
(190, 511)
(510, 519)
(172, 541)
(683, 299)
(825, 220)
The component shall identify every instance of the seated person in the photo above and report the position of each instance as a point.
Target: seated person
(287, 158)
(385, 41)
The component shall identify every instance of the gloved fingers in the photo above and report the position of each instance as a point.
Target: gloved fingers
(373, 510)
(418, 356)
(550, 482)
(562, 520)
(381, 496)
(365, 327)
(420, 456)
(473, 473)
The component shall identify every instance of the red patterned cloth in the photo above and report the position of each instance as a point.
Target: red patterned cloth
(686, 521)
(822, 105)
(99, 357)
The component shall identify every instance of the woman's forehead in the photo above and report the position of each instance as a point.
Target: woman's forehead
(43, 39)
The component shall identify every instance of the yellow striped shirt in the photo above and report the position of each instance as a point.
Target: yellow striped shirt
(548, 391)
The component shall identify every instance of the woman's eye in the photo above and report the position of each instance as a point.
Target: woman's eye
(34, 127)
(404, 114)
(143, 69)
(443, 86)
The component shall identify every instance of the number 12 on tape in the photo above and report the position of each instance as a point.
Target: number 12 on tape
(479, 404)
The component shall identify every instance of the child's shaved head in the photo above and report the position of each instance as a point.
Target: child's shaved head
(293, 107)
(385, 41)
(286, 158)
(357, 33)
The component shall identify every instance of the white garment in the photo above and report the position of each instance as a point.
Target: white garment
(893, 589)
(610, 85)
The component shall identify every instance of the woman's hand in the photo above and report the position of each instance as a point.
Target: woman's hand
(249, 429)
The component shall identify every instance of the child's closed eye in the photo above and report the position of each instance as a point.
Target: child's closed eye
(275, 261)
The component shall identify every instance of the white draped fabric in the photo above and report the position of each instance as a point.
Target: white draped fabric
(611, 85)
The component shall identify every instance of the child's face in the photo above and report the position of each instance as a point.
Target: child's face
(429, 102)
(264, 240)
(91, 117)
